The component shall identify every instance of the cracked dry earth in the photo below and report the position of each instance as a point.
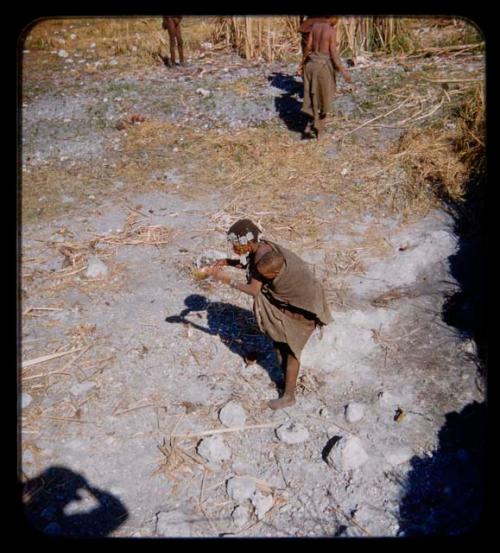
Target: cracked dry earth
(123, 431)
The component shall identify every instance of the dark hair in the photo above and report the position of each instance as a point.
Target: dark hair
(243, 227)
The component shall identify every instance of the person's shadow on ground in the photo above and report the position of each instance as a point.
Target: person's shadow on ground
(289, 104)
(60, 502)
(236, 328)
(446, 494)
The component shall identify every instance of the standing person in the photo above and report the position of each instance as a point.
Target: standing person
(288, 300)
(304, 30)
(320, 82)
(173, 26)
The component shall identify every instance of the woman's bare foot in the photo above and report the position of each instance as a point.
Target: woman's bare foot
(284, 401)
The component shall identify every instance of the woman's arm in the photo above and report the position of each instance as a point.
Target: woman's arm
(228, 262)
(335, 56)
(252, 289)
(308, 48)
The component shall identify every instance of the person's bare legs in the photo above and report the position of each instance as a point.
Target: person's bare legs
(321, 125)
(291, 374)
(172, 49)
(180, 46)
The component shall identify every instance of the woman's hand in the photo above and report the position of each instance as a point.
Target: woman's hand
(218, 274)
(220, 263)
(346, 76)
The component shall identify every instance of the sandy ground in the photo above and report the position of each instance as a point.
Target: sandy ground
(149, 353)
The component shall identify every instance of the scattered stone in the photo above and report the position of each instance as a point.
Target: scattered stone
(262, 503)
(207, 45)
(96, 268)
(214, 449)
(80, 389)
(26, 399)
(469, 346)
(344, 172)
(323, 412)
(232, 414)
(62, 54)
(354, 412)
(240, 488)
(292, 433)
(173, 524)
(28, 457)
(347, 454)
(399, 455)
(240, 516)
(203, 92)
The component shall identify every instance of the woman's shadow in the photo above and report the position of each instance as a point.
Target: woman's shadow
(236, 328)
(289, 104)
(57, 501)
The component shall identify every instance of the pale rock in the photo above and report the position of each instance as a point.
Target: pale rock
(62, 54)
(173, 524)
(203, 92)
(262, 504)
(292, 433)
(96, 268)
(214, 449)
(240, 516)
(232, 414)
(240, 488)
(399, 455)
(354, 412)
(80, 389)
(347, 454)
(26, 399)
(28, 457)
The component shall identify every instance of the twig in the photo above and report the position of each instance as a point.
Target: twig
(374, 119)
(72, 273)
(452, 80)
(133, 409)
(44, 358)
(224, 430)
(41, 309)
(65, 419)
(349, 519)
(76, 358)
(25, 378)
(430, 112)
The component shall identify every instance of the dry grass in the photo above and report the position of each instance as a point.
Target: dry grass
(440, 162)
(470, 142)
(142, 39)
(432, 165)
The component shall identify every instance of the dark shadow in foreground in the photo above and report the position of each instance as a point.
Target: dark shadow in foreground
(60, 502)
(466, 309)
(445, 493)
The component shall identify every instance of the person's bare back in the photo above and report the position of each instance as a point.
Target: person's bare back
(321, 35)
(323, 40)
